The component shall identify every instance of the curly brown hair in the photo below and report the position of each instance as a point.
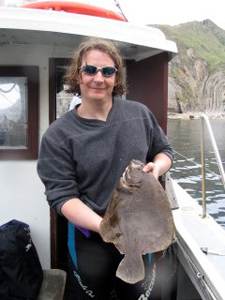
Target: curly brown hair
(72, 76)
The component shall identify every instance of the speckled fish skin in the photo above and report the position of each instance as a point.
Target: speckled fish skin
(137, 221)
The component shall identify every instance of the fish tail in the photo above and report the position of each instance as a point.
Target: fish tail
(131, 269)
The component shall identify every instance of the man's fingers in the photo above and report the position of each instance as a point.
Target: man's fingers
(152, 167)
(149, 167)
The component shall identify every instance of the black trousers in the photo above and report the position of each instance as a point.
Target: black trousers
(92, 265)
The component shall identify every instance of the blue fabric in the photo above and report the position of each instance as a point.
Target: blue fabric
(85, 232)
(71, 243)
(150, 258)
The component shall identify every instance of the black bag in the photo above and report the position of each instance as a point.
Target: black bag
(21, 273)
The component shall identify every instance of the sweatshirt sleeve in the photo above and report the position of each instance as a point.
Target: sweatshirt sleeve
(159, 141)
(56, 170)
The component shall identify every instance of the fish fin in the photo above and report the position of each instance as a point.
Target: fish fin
(131, 269)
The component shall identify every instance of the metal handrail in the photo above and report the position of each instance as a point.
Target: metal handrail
(205, 121)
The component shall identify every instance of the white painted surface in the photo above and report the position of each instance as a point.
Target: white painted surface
(22, 198)
(198, 232)
(21, 191)
(62, 22)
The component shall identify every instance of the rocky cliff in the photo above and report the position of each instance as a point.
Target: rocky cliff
(197, 73)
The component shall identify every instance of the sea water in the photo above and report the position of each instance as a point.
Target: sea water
(185, 138)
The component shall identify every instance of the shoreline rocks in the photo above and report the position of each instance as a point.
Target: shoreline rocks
(195, 115)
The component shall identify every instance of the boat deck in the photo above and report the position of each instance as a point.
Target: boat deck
(201, 242)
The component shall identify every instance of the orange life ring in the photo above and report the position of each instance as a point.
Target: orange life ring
(76, 7)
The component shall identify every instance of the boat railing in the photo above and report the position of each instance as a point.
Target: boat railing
(206, 125)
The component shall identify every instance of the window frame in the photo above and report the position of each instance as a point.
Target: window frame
(53, 64)
(58, 224)
(32, 75)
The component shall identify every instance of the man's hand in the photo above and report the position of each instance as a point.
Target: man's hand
(152, 168)
(160, 165)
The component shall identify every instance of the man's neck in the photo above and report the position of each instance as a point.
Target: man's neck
(98, 110)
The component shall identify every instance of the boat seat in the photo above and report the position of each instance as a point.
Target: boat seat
(53, 285)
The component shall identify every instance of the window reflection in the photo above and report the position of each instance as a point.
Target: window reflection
(13, 112)
(63, 99)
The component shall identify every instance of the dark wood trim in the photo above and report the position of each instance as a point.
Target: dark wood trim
(53, 63)
(52, 90)
(58, 224)
(53, 241)
(165, 76)
(151, 77)
(32, 74)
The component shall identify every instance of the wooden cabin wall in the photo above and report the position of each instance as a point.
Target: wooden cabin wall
(151, 77)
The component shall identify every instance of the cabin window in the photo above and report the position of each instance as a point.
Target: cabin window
(18, 112)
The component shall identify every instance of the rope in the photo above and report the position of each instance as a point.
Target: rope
(121, 11)
(195, 163)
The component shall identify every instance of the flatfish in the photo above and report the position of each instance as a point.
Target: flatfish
(138, 220)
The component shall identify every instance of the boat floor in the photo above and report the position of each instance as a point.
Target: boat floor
(202, 245)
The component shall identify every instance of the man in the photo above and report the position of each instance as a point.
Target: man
(83, 155)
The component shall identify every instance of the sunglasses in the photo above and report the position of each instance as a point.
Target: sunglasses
(93, 70)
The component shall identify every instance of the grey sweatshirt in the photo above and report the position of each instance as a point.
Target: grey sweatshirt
(85, 158)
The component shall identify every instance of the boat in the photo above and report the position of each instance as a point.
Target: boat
(35, 49)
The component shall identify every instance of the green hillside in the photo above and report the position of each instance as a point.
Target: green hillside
(197, 72)
(206, 38)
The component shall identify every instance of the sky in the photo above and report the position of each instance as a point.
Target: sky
(173, 12)
(170, 12)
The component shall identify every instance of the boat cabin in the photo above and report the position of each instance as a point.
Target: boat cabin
(35, 50)
(36, 46)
